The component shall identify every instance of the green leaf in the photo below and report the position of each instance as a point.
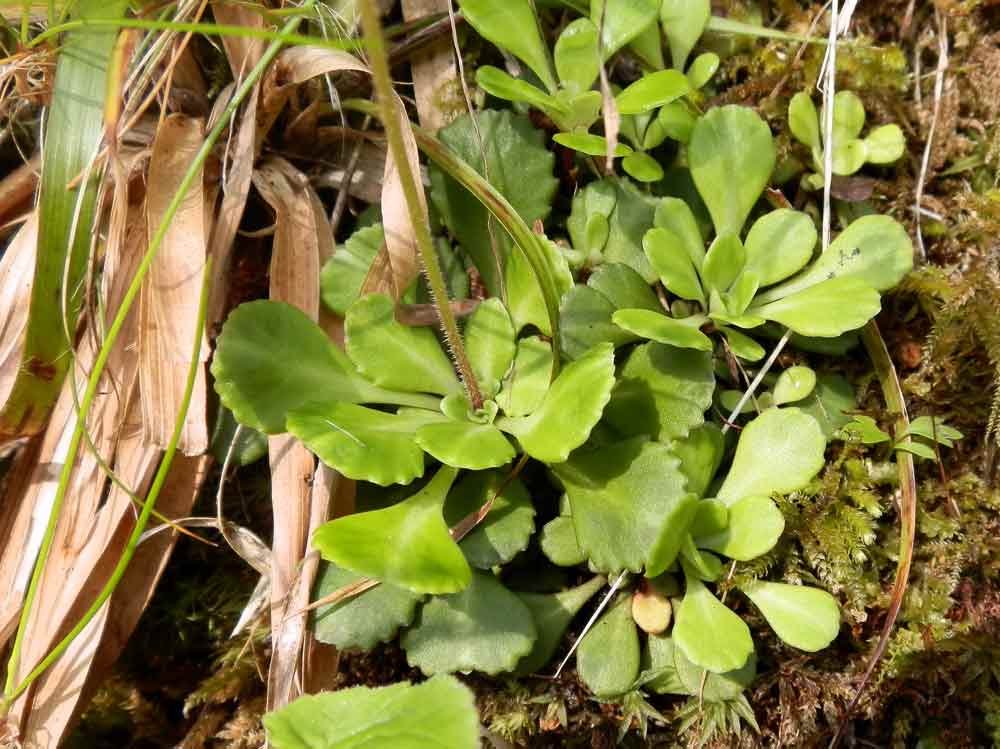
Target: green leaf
(489, 344)
(662, 392)
(656, 326)
(677, 272)
(674, 215)
(794, 384)
(576, 55)
(779, 244)
(717, 687)
(512, 25)
(366, 718)
(407, 544)
(849, 157)
(483, 628)
(362, 621)
(875, 250)
(621, 21)
(394, 355)
(708, 633)
(507, 528)
(805, 618)
(552, 614)
(830, 401)
(608, 657)
(570, 409)
(253, 377)
(755, 525)
(803, 120)
(517, 164)
(741, 293)
(700, 453)
(743, 346)
(778, 452)
(934, 429)
(885, 144)
(731, 155)
(702, 69)
(464, 444)
(826, 310)
(651, 91)
(723, 262)
(676, 121)
(642, 167)
(526, 304)
(250, 446)
(503, 85)
(865, 430)
(629, 503)
(344, 274)
(592, 145)
(712, 518)
(659, 671)
(524, 388)
(705, 565)
(848, 117)
(648, 47)
(683, 22)
(623, 287)
(559, 542)
(916, 448)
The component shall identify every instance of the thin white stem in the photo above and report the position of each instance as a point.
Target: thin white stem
(942, 66)
(757, 380)
(590, 622)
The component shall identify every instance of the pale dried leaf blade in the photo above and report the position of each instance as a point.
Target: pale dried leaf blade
(170, 293)
(435, 79)
(17, 267)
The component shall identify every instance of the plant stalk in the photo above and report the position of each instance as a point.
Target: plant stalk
(378, 61)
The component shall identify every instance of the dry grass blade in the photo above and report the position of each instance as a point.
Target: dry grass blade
(434, 74)
(169, 299)
(16, 272)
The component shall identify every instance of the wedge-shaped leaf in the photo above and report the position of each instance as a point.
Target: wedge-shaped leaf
(590, 144)
(672, 263)
(552, 614)
(708, 633)
(362, 443)
(651, 91)
(575, 55)
(700, 453)
(848, 116)
(570, 409)
(803, 120)
(642, 167)
(805, 618)
(754, 526)
(362, 621)
(741, 293)
(483, 628)
(464, 444)
(674, 215)
(344, 274)
(885, 144)
(252, 371)
(703, 67)
(559, 544)
(394, 355)
(826, 310)
(778, 452)
(683, 21)
(621, 21)
(527, 382)
(656, 326)
(396, 716)
(629, 504)
(524, 296)
(731, 154)
(875, 250)
(517, 164)
(794, 384)
(507, 528)
(512, 25)
(489, 343)
(662, 392)
(743, 346)
(623, 287)
(608, 657)
(717, 687)
(724, 261)
(503, 85)
(779, 244)
(407, 544)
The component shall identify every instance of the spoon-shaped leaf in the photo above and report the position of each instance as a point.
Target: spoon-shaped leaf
(779, 244)
(396, 716)
(570, 409)
(484, 628)
(754, 526)
(394, 355)
(794, 384)
(683, 21)
(527, 382)
(507, 528)
(590, 144)
(709, 633)
(525, 301)
(731, 156)
(463, 444)
(778, 452)
(826, 310)
(253, 377)
(407, 544)
(575, 55)
(677, 272)
(629, 504)
(651, 91)
(656, 326)
(642, 167)
(503, 85)
(489, 343)
(743, 346)
(552, 614)
(344, 274)
(829, 403)
(512, 25)
(723, 262)
(885, 144)
(621, 21)
(608, 657)
(703, 67)
(362, 621)
(806, 618)
(559, 544)
(717, 687)
(803, 120)
(674, 215)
